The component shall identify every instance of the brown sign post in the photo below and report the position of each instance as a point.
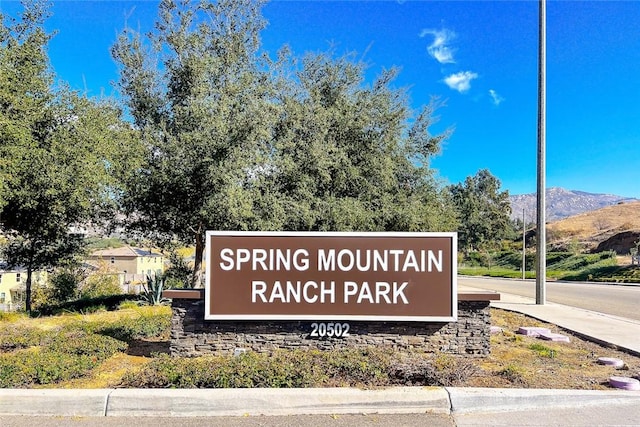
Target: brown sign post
(331, 276)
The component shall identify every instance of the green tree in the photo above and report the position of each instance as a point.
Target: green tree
(483, 211)
(351, 156)
(178, 275)
(239, 141)
(196, 94)
(60, 153)
(64, 283)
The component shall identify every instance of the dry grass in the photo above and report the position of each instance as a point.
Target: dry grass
(521, 361)
(108, 374)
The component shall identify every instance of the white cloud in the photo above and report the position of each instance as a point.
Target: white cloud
(440, 48)
(495, 97)
(460, 81)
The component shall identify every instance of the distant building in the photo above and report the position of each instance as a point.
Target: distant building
(132, 265)
(13, 286)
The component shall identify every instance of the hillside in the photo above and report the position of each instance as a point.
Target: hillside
(562, 203)
(614, 227)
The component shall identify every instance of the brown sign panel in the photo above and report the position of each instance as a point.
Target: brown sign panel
(331, 276)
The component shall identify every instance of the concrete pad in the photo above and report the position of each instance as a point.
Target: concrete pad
(478, 400)
(59, 402)
(245, 402)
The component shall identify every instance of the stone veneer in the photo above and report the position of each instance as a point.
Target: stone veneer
(192, 336)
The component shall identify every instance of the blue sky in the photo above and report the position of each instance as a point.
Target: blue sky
(479, 57)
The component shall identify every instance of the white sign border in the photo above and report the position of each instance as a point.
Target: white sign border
(343, 317)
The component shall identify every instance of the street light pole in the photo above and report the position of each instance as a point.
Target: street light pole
(541, 237)
(524, 246)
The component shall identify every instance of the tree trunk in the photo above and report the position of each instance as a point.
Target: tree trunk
(196, 281)
(27, 302)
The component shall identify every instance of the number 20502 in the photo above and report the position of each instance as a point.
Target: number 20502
(321, 330)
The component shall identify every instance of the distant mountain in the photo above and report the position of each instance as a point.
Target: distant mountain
(562, 203)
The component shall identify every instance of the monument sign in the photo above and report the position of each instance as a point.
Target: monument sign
(331, 276)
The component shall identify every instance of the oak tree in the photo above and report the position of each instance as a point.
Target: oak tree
(194, 90)
(60, 152)
(484, 211)
(236, 140)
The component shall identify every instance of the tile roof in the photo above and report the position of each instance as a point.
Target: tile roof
(124, 251)
(4, 267)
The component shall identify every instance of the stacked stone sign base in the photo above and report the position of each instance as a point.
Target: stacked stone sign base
(192, 336)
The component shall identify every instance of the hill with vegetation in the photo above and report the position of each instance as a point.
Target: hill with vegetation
(617, 225)
(592, 246)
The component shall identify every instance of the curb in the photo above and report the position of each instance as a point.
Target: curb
(249, 402)
(54, 402)
(477, 400)
(222, 402)
(312, 401)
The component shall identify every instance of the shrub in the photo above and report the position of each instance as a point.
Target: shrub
(64, 285)
(178, 275)
(142, 324)
(152, 291)
(31, 356)
(11, 316)
(359, 366)
(543, 350)
(302, 368)
(442, 371)
(70, 354)
(100, 285)
(40, 296)
(103, 282)
(127, 305)
(80, 343)
(248, 370)
(514, 374)
(30, 367)
(476, 259)
(87, 305)
(14, 337)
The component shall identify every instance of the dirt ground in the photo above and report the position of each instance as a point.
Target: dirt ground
(528, 362)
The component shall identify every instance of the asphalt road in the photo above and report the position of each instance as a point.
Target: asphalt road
(617, 300)
(362, 420)
(614, 414)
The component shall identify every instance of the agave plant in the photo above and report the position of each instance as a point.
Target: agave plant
(152, 291)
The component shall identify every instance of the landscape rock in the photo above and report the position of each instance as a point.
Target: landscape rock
(624, 383)
(611, 361)
(550, 336)
(532, 331)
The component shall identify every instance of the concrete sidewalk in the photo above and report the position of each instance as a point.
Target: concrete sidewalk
(604, 329)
